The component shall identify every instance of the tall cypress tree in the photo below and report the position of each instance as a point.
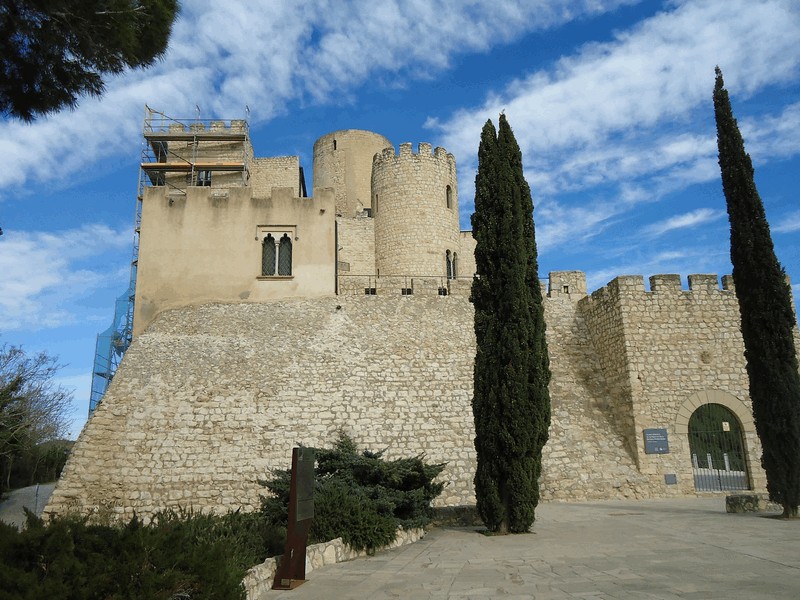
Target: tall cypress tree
(766, 313)
(511, 403)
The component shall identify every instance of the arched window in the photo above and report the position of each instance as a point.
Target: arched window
(449, 263)
(268, 256)
(276, 250)
(285, 256)
(449, 196)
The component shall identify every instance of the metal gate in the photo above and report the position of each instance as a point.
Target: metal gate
(717, 448)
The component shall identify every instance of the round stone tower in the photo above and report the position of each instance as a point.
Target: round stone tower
(343, 161)
(415, 206)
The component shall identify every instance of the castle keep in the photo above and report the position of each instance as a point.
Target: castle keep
(265, 319)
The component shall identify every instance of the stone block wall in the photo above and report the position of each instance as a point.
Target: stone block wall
(274, 172)
(414, 227)
(343, 161)
(210, 397)
(356, 244)
(660, 349)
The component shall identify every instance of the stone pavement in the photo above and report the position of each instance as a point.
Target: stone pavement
(655, 549)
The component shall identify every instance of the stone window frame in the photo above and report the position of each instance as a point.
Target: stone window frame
(448, 197)
(278, 233)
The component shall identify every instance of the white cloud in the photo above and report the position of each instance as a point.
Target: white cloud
(44, 272)
(269, 54)
(789, 224)
(640, 106)
(684, 221)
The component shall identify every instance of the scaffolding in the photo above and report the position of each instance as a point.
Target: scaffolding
(197, 152)
(177, 154)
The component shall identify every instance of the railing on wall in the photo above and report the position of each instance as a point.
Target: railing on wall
(403, 285)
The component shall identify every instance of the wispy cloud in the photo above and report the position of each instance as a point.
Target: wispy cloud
(684, 221)
(271, 54)
(788, 224)
(634, 114)
(43, 273)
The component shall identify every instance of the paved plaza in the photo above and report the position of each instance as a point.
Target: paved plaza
(665, 549)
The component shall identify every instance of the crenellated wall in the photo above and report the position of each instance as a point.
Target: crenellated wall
(416, 217)
(661, 347)
(211, 396)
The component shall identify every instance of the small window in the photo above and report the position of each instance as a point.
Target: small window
(455, 265)
(334, 144)
(449, 197)
(565, 289)
(448, 264)
(203, 179)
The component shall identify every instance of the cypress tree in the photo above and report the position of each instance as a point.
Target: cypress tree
(766, 313)
(511, 402)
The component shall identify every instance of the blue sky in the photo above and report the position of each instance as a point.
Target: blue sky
(610, 101)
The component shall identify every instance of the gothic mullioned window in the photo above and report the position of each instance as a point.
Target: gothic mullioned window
(276, 254)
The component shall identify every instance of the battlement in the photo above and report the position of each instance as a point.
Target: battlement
(424, 150)
(567, 284)
(234, 126)
(665, 284)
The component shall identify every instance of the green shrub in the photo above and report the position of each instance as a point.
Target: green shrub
(360, 497)
(179, 555)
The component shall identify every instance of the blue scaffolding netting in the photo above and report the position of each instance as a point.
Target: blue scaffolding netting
(111, 345)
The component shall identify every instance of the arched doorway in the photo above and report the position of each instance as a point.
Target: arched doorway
(716, 445)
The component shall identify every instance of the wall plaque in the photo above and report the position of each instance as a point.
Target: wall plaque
(655, 441)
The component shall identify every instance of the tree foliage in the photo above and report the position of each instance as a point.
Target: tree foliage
(766, 313)
(33, 409)
(54, 51)
(511, 403)
(359, 496)
(179, 554)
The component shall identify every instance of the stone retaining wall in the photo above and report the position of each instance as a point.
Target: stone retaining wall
(259, 579)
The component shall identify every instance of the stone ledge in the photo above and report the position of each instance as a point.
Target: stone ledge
(259, 578)
(742, 503)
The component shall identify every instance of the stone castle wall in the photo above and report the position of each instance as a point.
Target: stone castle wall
(356, 245)
(210, 397)
(414, 227)
(343, 161)
(664, 346)
(274, 172)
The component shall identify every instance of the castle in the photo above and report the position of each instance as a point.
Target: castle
(265, 319)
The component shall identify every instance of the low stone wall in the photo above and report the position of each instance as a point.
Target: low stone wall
(741, 503)
(259, 579)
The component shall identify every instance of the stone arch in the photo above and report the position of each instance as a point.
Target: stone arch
(696, 400)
